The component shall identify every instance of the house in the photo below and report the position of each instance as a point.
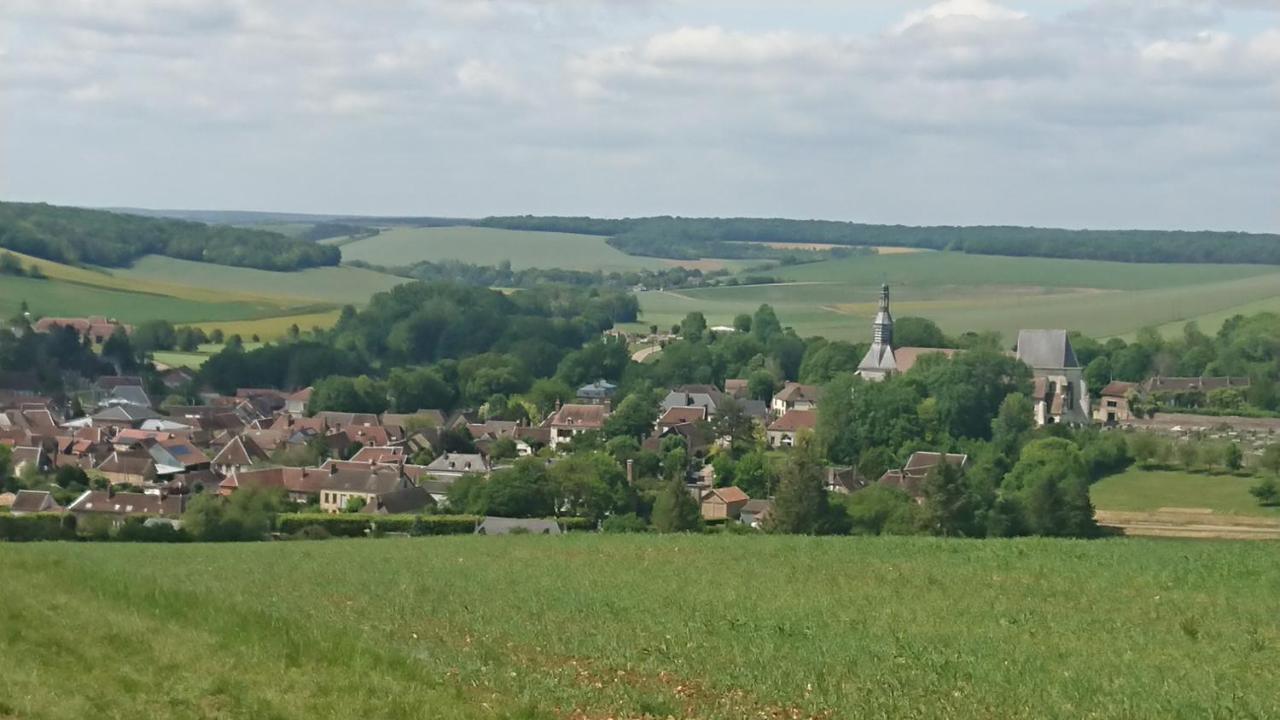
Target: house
(27, 502)
(379, 455)
(301, 484)
(97, 329)
(704, 396)
(128, 468)
(241, 453)
(176, 455)
(784, 431)
(573, 420)
(1059, 394)
(177, 378)
(119, 506)
(680, 416)
(366, 483)
(1113, 405)
(1190, 391)
(599, 392)
(451, 466)
(794, 396)
(723, 503)
(755, 512)
(123, 416)
(737, 388)
(6, 499)
(508, 526)
(297, 402)
(844, 480)
(28, 457)
(406, 501)
(910, 478)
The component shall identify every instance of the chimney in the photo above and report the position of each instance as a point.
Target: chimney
(631, 472)
(333, 468)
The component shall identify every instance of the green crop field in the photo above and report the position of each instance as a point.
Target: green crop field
(966, 292)
(59, 298)
(489, 246)
(588, 626)
(1150, 491)
(338, 285)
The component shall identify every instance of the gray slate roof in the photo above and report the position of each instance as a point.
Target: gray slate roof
(1046, 349)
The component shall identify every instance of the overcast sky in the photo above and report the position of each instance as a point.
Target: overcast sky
(1093, 113)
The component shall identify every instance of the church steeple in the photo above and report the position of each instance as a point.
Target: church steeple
(882, 333)
(879, 362)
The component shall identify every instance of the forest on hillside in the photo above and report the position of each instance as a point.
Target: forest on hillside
(692, 238)
(98, 237)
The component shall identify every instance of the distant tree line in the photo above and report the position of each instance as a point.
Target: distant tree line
(688, 238)
(325, 230)
(97, 237)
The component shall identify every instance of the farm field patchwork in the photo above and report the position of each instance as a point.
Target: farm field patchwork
(491, 246)
(270, 328)
(643, 626)
(966, 292)
(1152, 491)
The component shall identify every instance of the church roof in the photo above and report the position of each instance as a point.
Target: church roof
(879, 357)
(1046, 349)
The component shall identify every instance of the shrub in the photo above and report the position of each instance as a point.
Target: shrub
(40, 526)
(576, 524)
(335, 525)
(137, 529)
(629, 523)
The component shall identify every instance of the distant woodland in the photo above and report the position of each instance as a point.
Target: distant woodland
(98, 237)
(691, 238)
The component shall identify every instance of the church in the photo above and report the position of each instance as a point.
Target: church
(883, 359)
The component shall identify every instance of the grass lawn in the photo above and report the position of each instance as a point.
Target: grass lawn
(490, 246)
(961, 292)
(1148, 491)
(600, 627)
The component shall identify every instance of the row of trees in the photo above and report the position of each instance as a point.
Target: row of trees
(692, 238)
(97, 237)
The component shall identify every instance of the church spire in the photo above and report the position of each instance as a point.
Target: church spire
(883, 329)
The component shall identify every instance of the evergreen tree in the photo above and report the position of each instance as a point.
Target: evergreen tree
(675, 510)
(802, 506)
(950, 509)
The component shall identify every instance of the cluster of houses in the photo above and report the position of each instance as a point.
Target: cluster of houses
(153, 460)
(95, 329)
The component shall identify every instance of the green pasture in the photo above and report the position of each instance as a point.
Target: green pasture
(59, 298)
(964, 292)
(585, 626)
(490, 246)
(337, 285)
(1149, 491)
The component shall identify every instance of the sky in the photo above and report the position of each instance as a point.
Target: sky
(1085, 114)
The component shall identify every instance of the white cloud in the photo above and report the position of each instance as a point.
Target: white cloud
(960, 111)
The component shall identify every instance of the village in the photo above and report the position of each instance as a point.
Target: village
(126, 455)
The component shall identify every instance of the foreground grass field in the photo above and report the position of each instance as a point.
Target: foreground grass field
(1150, 491)
(630, 627)
(966, 292)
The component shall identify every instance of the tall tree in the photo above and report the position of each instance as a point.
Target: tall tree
(801, 506)
(675, 510)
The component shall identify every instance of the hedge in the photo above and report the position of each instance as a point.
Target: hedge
(357, 525)
(38, 526)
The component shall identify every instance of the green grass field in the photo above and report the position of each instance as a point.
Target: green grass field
(338, 285)
(965, 292)
(489, 246)
(1149, 491)
(642, 627)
